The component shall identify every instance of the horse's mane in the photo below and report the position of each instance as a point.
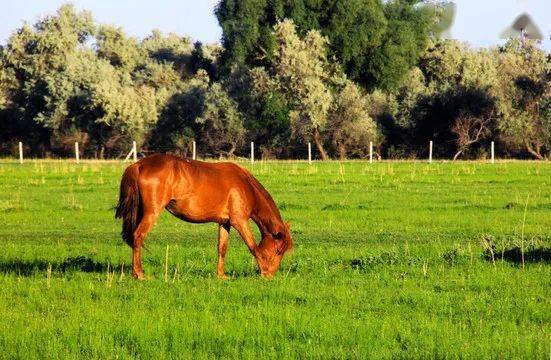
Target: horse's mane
(261, 190)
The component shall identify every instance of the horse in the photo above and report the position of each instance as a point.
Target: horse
(201, 192)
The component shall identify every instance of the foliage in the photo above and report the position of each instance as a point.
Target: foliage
(171, 49)
(204, 112)
(376, 42)
(121, 51)
(301, 71)
(523, 90)
(402, 43)
(324, 106)
(104, 97)
(341, 74)
(350, 127)
(468, 97)
(221, 126)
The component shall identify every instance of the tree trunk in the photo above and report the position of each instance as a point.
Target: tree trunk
(457, 155)
(231, 151)
(535, 153)
(342, 151)
(319, 145)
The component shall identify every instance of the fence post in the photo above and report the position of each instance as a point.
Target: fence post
(77, 155)
(193, 150)
(371, 152)
(20, 152)
(493, 153)
(135, 151)
(129, 154)
(166, 264)
(252, 152)
(309, 153)
(430, 152)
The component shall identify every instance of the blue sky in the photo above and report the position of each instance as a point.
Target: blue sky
(478, 22)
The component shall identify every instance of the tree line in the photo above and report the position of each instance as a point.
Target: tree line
(337, 73)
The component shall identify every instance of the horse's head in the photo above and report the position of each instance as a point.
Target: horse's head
(271, 249)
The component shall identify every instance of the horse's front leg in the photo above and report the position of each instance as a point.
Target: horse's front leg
(244, 229)
(223, 239)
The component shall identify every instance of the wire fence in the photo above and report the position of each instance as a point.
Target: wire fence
(135, 153)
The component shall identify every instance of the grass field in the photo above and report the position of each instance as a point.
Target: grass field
(391, 261)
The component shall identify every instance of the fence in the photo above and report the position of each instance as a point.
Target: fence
(134, 152)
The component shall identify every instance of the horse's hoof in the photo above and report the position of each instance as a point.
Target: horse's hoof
(222, 276)
(267, 276)
(139, 276)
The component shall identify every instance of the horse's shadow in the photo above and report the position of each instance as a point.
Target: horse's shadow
(88, 265)
(210, 273)
(516, 255)
(70, 264)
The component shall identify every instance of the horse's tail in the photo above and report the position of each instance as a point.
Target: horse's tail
(129, 208)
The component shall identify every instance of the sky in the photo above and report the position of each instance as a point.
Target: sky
(478, 22)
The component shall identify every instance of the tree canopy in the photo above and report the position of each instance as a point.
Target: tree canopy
(376, 42)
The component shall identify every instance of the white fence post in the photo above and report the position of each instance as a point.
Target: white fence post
(252, 152)
(77, 155)
(20, 152)
(430, 152)
(193, 150)
(493, 153)
(371, 152)
(135, 151)
(310, 153)
(129, 154)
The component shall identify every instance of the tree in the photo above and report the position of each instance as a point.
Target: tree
(38, 75)
(205, 57)
(220, 124)
(470, 130)
(266, 110)
(460, 116)
(130, 110)
(245, 35)
(62, 90)
(301, 69)
(350, 126)
(120, 50)
(523, 90)
(322, 104)
(203, 112)
(171, 49)
(405, 37)
(376, 42)
(450, 98)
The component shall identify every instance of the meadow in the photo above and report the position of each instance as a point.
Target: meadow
(391, 260)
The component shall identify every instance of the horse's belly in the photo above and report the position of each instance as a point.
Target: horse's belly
(194, 210)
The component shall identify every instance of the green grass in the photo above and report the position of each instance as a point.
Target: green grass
(389, 263)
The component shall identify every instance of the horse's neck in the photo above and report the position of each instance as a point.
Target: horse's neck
(266, 215)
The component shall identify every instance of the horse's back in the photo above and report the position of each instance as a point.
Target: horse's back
(157, 162)
(197, 191)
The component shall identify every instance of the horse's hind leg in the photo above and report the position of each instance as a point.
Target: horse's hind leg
(151, 211)
(223, 238)
(146, 224)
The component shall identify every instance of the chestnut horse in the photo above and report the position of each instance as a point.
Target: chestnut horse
(200, 192)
